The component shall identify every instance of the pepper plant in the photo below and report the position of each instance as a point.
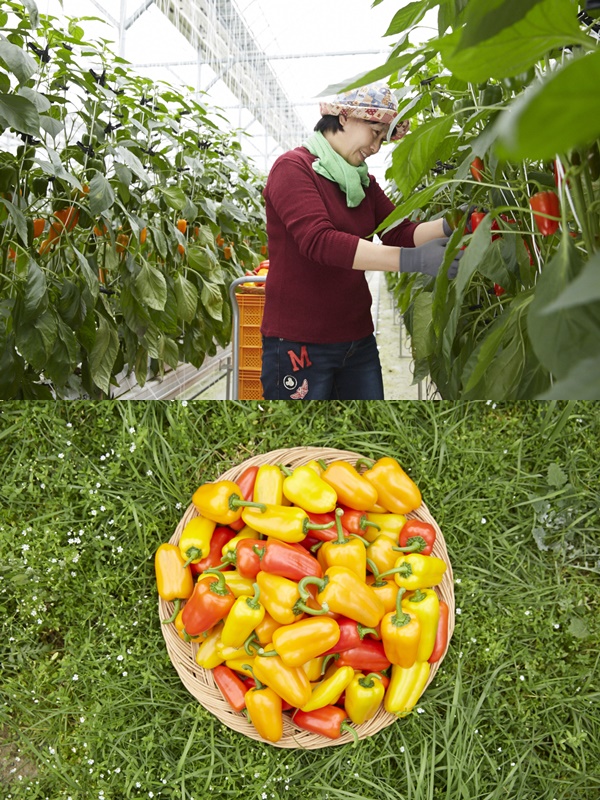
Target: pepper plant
(505, 121)
(125, 212)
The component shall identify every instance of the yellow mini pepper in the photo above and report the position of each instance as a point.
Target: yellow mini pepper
(207, 655)
(396, 491)
(286, 523)
(352, 489)
(400, 633)
(279, 597)
(245, 614)
(290, 683)
(304, 487)
(174, 581)
(406, 685)
(268, 486)
(341, 591)
(364, 696)
(415, 571)
(194, 542)
(425, 605)
(329, 690)
(344, 551)
(221, 501)
(305, 639)
(389, 525)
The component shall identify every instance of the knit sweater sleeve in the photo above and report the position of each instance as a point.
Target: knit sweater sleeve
(294, 194)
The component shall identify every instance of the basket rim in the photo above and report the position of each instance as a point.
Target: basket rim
(200, 682)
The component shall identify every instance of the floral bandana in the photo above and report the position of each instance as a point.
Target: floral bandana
(375, 103)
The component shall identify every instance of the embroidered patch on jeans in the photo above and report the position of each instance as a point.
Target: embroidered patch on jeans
(301, 361)
(290, 382)
(302, 391)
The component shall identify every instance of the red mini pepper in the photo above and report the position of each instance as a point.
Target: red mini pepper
(417, 535)
(369, 656)
(352, 634)
(232, 688)
(356, 521)
(329, 721)
(209, 603)
(441, 639)
(477, 167)
(544, 206)
(327, 534)
(247, 557)
(289, 561)
(246, 483)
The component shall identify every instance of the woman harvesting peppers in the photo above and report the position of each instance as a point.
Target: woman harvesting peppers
(327, 630)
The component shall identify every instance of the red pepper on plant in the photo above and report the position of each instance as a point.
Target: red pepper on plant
(545, 205)
(477, 167)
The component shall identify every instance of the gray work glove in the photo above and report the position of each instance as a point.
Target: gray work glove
(427, 258)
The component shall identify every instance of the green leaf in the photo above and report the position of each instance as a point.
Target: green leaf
(39, 100)
(35, 340)
(571, 334)
(187, 298)
(422, 338)
(581, 383)
(104, 353)
(168, 351)
(35, 295)
(571, 94)
(133, 163)
(408, 16)
(419, 152)
(174, 197)
(52, 126)
(212, 300)
(549, 24)
(17, 60)
(91, 278)
(484, 20)
(583, 290)
(18, 219)
(19, 113)
(391, 66)
(151, 287)
(416, 200)
(64, 357)
(101, 195)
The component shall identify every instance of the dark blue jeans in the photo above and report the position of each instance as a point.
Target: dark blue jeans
(300, 371)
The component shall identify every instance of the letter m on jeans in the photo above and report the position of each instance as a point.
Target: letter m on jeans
(301, 361)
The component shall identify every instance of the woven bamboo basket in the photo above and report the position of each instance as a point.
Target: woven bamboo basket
(200, 682)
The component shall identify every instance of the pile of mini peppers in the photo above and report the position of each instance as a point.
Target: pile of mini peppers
(308, 591)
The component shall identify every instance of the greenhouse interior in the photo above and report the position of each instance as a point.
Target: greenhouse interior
(136, 140)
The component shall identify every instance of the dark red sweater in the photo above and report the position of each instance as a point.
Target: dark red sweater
(312, 293)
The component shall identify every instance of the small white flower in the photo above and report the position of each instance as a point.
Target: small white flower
(149, 473)
(527, 613)
(76, 677)
(132, 429)
(499, 749)
(61, 455)
(420, 710)
(483, 520)
(401, 748)
(459, 610)
(184, 404)
(521, 677)
(556, 626)
(132, 448)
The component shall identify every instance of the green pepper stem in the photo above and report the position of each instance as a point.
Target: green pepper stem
(418, 596)
(173, 616)
(320, 583)
(367, 462)
(253, 601)
(341, 539)
(193, 554)
(363, 630)
(367, 681)
(307, 525)
(366, 523)
(219, 586)
(415, 544)
(252, 644)
(301, 607)
(258, 685)
(235, 502)
(346, 726)
(326, 660)
(322, 463)
(400, 618)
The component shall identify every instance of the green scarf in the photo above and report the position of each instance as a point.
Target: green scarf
(334, 167)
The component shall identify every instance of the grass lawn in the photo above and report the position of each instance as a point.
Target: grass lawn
(91, 707)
